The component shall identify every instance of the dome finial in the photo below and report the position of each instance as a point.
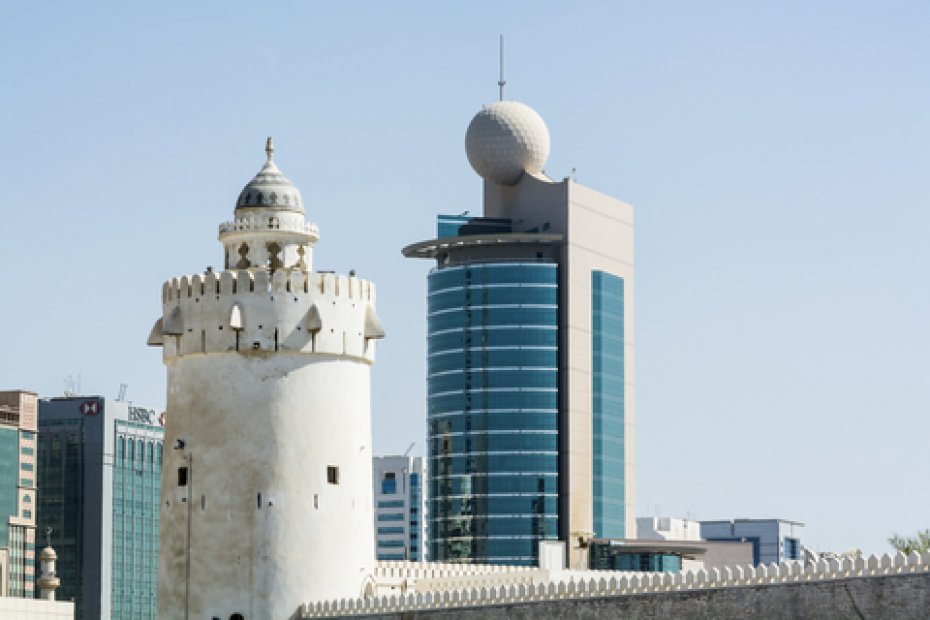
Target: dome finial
(269, 148)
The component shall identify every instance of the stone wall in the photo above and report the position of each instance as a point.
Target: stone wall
(901, 597)
(874, 587)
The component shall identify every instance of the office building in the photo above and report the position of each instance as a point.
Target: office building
(773, 540)
(667, 528)
(530, 356)
(99, 479)
(267, 499)
(400, 507)
(17, 493)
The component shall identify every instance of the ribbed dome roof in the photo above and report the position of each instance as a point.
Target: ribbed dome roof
(270, 189)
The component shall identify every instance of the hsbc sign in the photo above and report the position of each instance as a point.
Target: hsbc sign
(90, 407)
(145, 416)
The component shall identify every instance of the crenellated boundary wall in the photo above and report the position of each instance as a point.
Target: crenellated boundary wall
(874, 587)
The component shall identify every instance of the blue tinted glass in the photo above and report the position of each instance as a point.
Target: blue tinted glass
(607, 392)
(493, 411)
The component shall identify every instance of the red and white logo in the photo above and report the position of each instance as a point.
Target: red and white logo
(161, 417)
(90, 407)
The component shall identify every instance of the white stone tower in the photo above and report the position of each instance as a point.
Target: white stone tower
(48, 580)
(266, 488)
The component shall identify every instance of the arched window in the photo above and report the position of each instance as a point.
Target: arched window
(274, 255)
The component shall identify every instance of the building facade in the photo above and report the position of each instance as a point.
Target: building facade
(17, 493)
(773, 540)
(667, 528)
(267, 500)
(400, 508)
(530, 353)
(99, 478)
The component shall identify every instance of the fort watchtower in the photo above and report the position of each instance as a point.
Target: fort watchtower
(267, 461)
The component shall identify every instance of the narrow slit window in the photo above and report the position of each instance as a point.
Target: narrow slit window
(332, 474)
(182, 476)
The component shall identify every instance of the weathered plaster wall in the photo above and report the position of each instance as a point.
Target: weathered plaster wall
(268, 388)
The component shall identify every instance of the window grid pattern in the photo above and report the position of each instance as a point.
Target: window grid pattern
(136, 487)
(415, 485)
(16, 543)
(61, 503)
(607, 389)
(492, 411)
(9, 446)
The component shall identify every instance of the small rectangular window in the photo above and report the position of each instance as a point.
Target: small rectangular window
(332, 474)
(389, 483)
(182, 476)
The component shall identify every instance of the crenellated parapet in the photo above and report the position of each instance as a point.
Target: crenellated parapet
(254, 312)
(427, 588)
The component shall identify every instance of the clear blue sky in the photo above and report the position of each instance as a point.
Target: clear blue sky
(776, 153)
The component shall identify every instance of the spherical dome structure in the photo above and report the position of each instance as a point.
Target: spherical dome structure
(270, 189)
(506, 139)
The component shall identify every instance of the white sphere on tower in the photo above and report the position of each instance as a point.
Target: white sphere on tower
(266, 488)
(506, 139)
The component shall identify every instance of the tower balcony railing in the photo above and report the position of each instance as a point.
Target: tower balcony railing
(253, 225)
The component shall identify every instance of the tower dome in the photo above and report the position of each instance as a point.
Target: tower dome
(506, 139)
(270, 189)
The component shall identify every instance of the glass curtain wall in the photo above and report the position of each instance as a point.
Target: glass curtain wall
(136, 488)
(492, 411)
(607, 390)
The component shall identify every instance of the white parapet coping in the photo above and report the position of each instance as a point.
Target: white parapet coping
(466, 585)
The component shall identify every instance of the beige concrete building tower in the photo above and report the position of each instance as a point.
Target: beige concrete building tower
(530, 397)
(266, 498)
(18, 492)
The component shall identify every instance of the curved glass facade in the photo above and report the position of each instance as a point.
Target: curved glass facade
(492, 411)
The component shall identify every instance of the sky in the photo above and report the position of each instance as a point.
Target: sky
(776, 154)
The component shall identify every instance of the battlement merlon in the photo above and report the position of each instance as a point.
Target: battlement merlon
(256, 312)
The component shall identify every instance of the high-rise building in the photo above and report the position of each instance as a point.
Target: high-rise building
(400, 507)
(530, 356)
(17, 493)
(99, 478)
(267, 500)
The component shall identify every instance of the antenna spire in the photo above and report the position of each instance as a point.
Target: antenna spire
(501, 82)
